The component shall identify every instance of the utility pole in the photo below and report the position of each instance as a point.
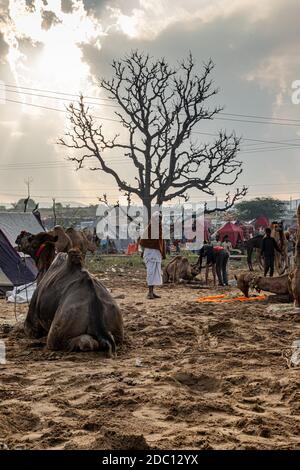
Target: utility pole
(54, 211)
(28, 182)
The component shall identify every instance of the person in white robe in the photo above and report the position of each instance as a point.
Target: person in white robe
(153, 253)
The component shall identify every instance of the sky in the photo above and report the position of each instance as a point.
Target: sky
(52, 49)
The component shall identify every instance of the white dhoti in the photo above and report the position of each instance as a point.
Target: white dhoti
(152, 259)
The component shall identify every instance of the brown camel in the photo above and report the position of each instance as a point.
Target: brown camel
(41, 248)
(64, 243)
(276, 285)
(178, 268)
(80, 241)
(281, 259)
(74, 309)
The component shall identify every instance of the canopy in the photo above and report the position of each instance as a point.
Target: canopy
(18, 270)
(235, 233)
(13, 223)
(261, 221)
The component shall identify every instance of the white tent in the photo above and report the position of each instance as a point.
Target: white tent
(12, 224)
(4, 281)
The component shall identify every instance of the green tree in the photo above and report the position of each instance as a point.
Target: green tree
(269, 207)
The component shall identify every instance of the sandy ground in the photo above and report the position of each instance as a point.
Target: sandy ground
(161, 391)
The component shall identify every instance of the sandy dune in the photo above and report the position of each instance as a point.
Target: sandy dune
(161, 391)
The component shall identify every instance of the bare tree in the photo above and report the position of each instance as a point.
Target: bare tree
(159, 107)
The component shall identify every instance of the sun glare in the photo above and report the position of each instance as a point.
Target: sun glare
(60, 65)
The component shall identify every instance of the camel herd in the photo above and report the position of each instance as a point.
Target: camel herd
(286, 284)
(281, 259)
(76, 311)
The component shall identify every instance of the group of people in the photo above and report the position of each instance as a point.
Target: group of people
(216, 253)
(270, 246)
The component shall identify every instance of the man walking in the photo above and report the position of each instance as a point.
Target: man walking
(269, 246)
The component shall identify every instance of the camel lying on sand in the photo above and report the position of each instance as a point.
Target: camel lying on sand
(276, 285)
(178, 268)
(73, 309)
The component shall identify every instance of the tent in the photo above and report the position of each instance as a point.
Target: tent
(261, 221)
(5, 283)
(16, 269)
(234, 232)
(12, 224)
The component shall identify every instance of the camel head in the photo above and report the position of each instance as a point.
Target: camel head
(22, 241)
(75, 258)
(245, 282)
(32, 244)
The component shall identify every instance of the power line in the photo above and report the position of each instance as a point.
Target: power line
(260, 117)
(56, 109)
(115, 120)
(126, 162)
(252, 140)
(257, 122)
(56, 92)
(269, 149)
(58, 98)
(269, 118)
(290, 124)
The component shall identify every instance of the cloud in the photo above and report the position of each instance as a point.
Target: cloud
(256, 55)
(49, 19)
(67, 6)
(30, 5)
(254, 45)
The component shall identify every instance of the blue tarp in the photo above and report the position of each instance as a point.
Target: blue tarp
(18, 270)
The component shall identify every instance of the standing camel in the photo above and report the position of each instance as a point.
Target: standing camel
(281, 259)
